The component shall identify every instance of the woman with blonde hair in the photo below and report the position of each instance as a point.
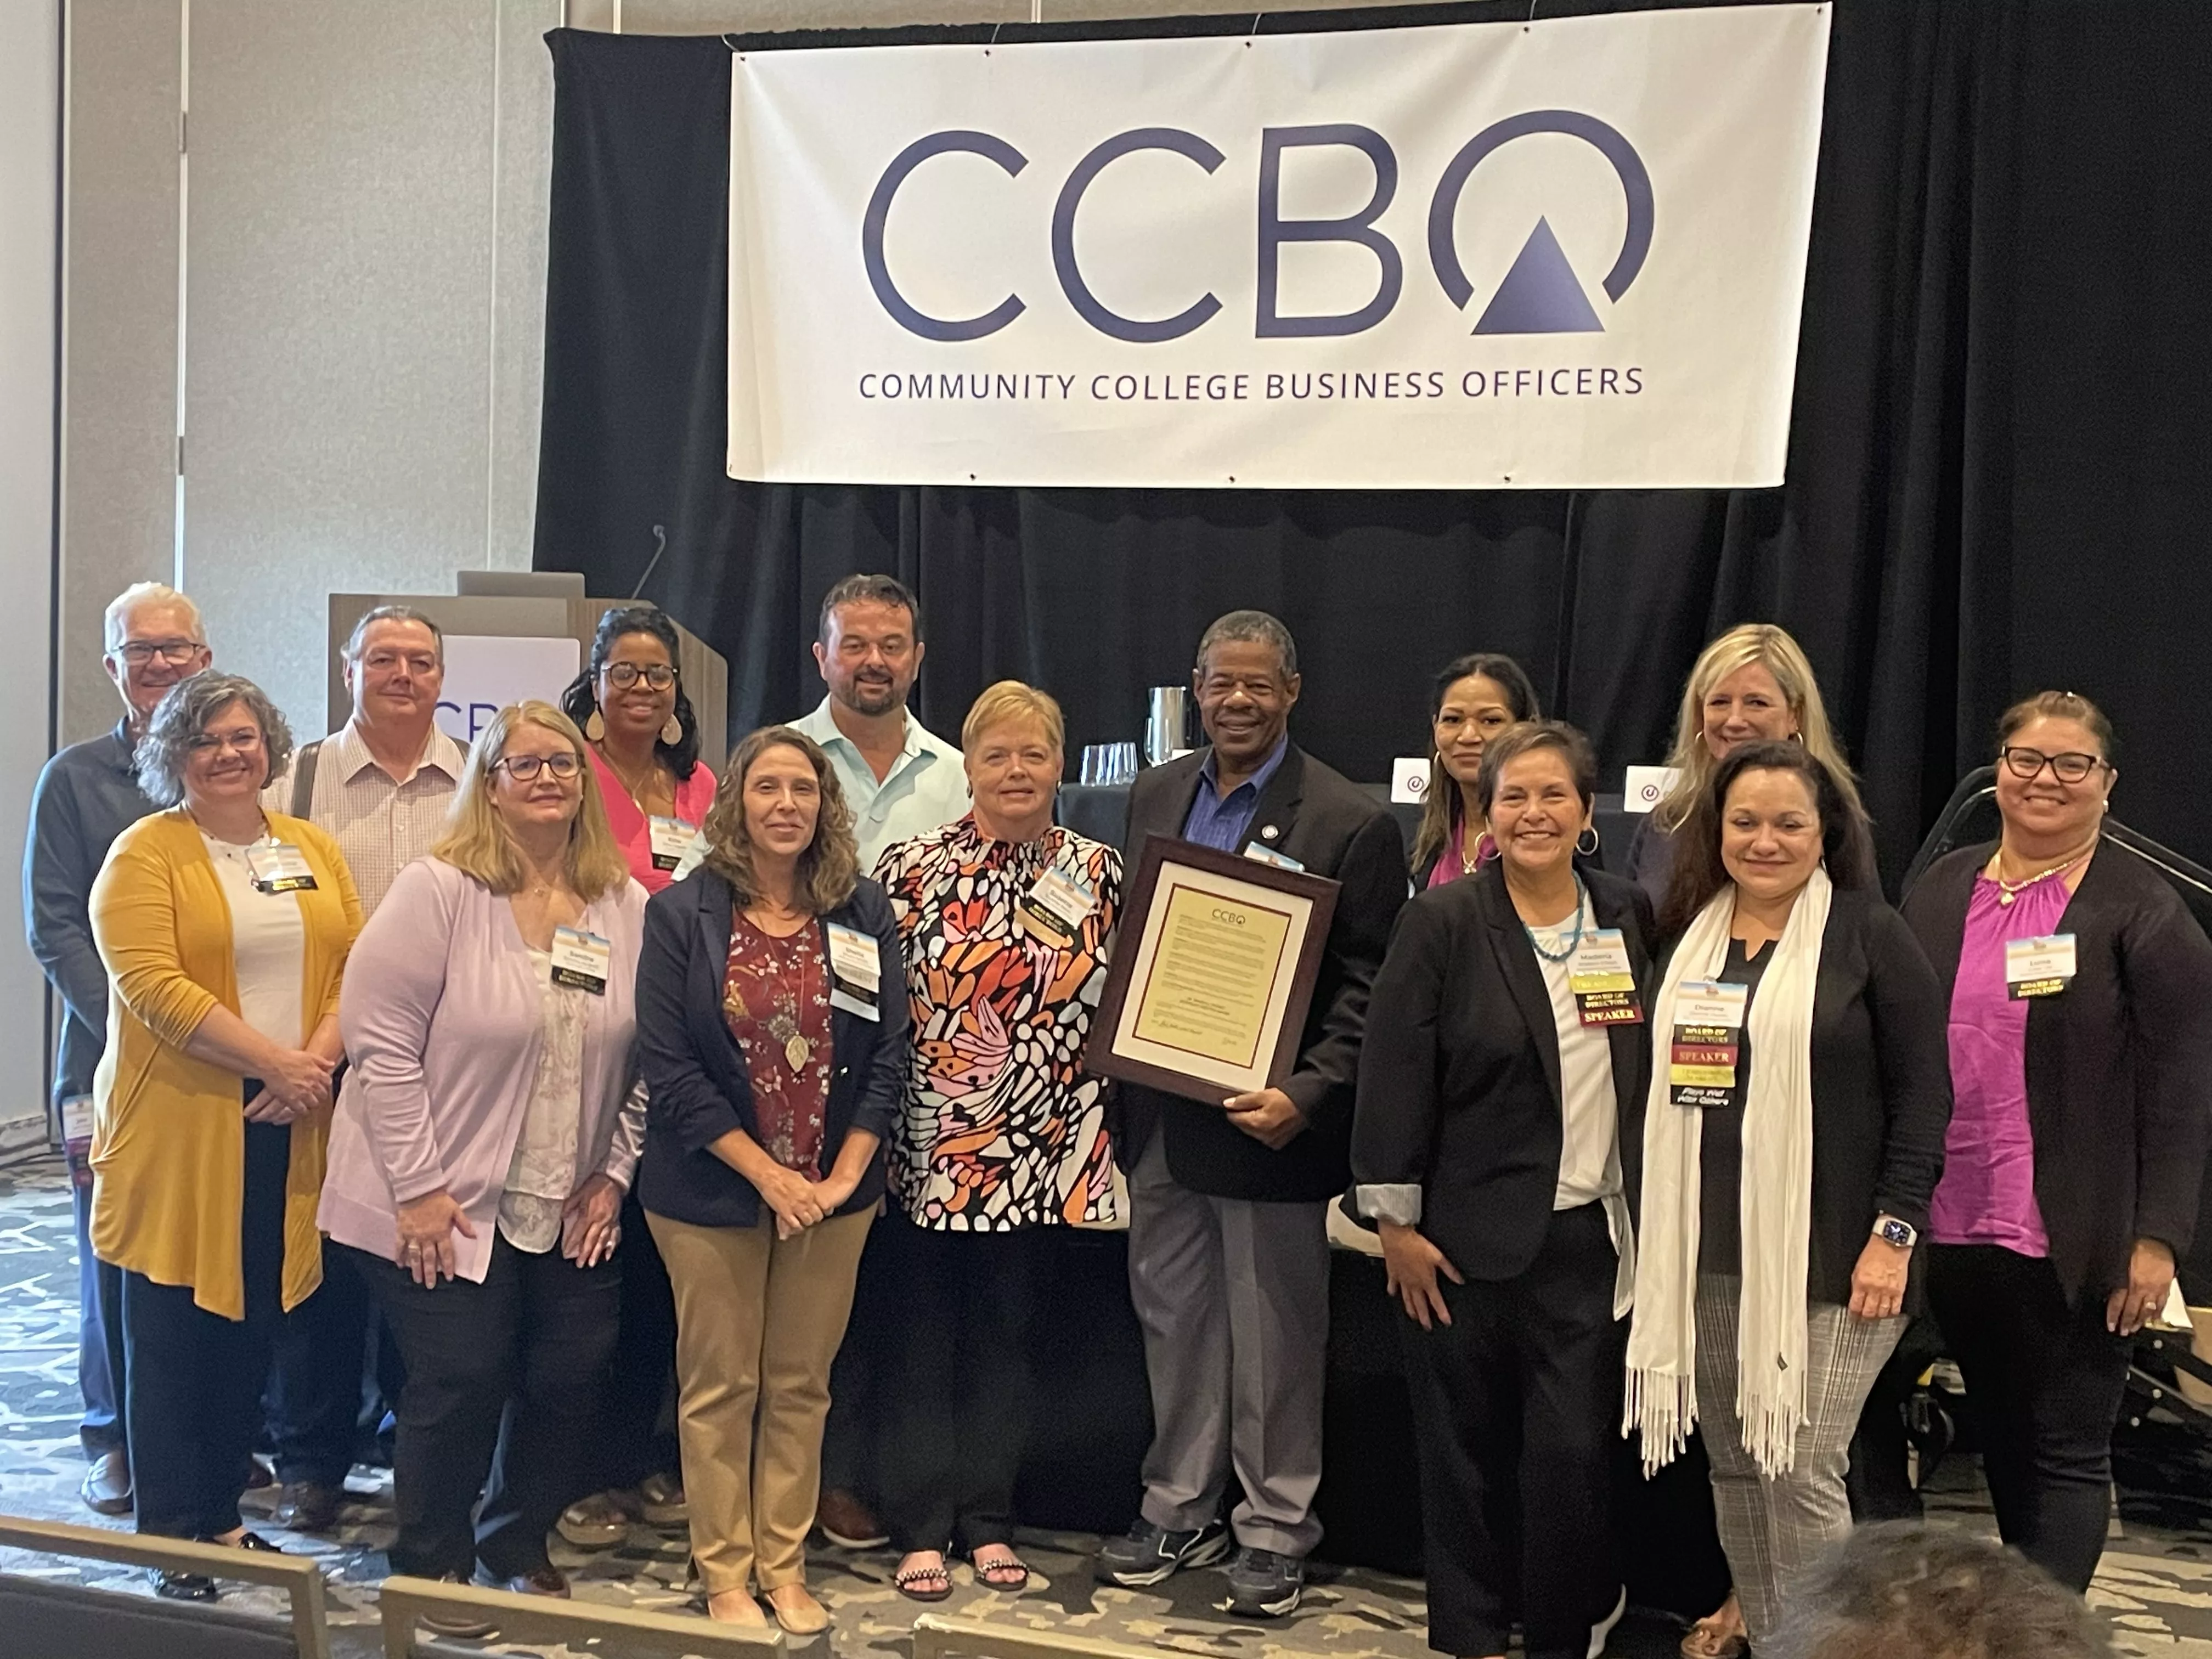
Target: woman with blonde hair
(1752, 685)
(485, 1136)
(1007, 919)
(774, 1035)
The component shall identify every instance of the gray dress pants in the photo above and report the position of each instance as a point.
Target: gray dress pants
(1233, 1296)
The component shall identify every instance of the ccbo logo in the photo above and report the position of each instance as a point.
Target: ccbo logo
(1539, 294)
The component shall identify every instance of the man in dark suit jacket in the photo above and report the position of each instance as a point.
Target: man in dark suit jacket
(1228, 1241)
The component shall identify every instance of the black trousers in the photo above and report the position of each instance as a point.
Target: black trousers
(99, 1339)
(959, 1373)
(193, 1378)
(502, 1394)
(1517, 1412)
(335, 1372)
(632, 1442)
(2043, 1382)
(852, 1438)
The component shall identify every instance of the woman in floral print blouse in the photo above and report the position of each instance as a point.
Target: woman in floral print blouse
(1005, 918)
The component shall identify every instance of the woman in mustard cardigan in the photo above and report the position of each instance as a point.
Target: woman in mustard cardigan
(224, 931)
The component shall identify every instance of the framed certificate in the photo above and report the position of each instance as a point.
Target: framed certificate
(1213, 973)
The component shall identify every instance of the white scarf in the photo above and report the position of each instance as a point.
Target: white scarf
(1776, 1201)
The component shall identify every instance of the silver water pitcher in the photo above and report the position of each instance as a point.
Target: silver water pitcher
(1167, 723)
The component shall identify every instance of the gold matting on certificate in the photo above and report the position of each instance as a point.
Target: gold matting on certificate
(1212, 972)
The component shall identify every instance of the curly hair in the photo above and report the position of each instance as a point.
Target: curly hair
(829, 868)
(580, 700)
(183, 714)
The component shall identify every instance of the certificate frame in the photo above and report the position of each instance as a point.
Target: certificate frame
(1133, 1036)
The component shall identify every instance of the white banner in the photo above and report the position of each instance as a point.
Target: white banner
(485, 672)
(1563, 254)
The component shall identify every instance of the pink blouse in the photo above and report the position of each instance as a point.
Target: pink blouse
(633, 834)
(1454, 863)
(1987, 1195)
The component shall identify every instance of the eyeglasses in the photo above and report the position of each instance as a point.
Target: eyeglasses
(524, 768)
(245, 741)
(2067, 769)
(623, 674)
(139, 652)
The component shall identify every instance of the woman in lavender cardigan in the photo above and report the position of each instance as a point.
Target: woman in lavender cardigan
(483, 1141)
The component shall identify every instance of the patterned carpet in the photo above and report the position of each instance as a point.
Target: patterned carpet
(2155, 1585)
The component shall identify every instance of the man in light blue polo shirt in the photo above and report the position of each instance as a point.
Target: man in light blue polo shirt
(901, 779)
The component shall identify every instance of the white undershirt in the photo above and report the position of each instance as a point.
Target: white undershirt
(543, 1172)
(269, 946)
(1589, 1160)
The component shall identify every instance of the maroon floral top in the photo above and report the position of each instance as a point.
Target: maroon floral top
(776, 998)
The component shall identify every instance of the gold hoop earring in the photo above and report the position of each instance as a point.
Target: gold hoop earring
(671, 731)
(594, 728)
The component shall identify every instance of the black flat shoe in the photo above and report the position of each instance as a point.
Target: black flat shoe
(254, 1540)
(183, 1586)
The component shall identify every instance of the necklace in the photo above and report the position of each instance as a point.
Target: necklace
(782, 1022)
(2009, 891)
(630, 784)
(1574, 941)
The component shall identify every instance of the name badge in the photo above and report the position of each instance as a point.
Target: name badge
(855, 971)
(2037, 966)
(76, 1138)
(672, 838)
(1603, 983)
(582, 961)
(1701, 1060)
(1269, 855)
(279, 867)
(1054, 910)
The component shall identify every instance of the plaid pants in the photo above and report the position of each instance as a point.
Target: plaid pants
(1770, 1528)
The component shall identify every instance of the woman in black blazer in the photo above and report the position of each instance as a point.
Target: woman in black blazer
(2077, 1150)
(772, 1032)
(1501, 1082)
(1794, 1132)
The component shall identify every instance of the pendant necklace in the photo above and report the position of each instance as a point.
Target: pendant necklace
(783, 1024)
(2009, 891)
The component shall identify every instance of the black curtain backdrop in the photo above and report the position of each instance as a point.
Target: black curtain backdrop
(2000, 469)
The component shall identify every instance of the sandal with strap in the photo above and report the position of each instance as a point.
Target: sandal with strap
(904, 1582)
(1012, 1565)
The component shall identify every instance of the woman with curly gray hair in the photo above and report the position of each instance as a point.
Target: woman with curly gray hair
(224, 930)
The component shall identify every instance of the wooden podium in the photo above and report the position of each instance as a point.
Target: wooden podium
(528, 639)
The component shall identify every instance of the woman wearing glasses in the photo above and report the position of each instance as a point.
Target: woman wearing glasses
(2080, 1035)
(644, 741)
(644, 753)
(484, 1139)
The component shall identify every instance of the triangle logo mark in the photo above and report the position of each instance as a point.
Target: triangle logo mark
(1541, 294)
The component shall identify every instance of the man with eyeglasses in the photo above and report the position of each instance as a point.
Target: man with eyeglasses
(381, 785)
(87, 796)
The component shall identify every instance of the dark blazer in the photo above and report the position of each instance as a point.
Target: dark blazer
(1881, 1088)
(695, 1072)
(1459, 1079)
(2119, 1064)
(1334, 829)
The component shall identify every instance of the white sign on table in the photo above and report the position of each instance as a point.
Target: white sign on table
(485, 672)
(1568, 253)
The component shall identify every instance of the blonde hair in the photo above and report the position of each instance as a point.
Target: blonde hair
(829, 868)
(1008, 701)
(476, 841)
(138, 596)
(1771, 648)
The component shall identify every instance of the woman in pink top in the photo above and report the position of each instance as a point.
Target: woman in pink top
(486, 1134)
(1471, 700)
(644, 751)
(2080, 1001)
(644, 740)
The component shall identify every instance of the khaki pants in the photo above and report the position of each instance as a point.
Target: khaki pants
(758, 1320)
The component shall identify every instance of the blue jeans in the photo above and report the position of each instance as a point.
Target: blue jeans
(99, 1339)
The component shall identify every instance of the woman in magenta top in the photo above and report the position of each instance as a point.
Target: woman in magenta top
(1473, 699)
(643, 748)
(2080, 1035)
(644, 741)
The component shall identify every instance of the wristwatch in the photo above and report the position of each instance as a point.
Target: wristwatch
(1890, 1230)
